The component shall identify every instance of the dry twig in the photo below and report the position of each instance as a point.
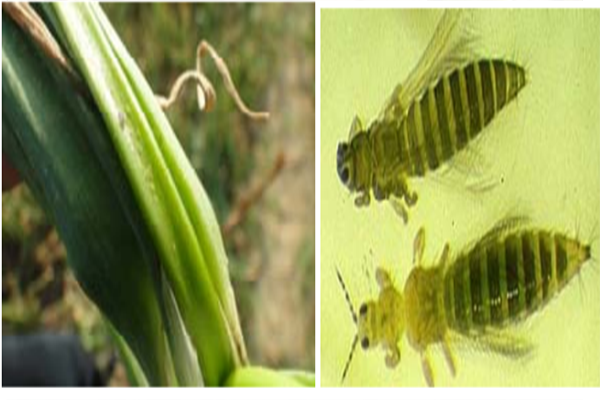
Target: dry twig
(252, 196)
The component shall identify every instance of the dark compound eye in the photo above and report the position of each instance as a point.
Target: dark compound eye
(363, 309)
(344, 175)
(341, 152)
(364, 343)
(342, 169)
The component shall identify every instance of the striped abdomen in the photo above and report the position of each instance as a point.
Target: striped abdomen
(509, 278)
(448, 115)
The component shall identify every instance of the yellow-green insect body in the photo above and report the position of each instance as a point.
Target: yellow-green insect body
(507, 276)
(373, 317)
(442, 107)
(379, 322)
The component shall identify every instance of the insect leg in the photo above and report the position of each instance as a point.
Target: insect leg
(443, 261)
(450, 360)
(427, 370)
(383, 278)
(381, 186)
(402, 190)
(392, 358)
(400, 208)
(379, 192)
(363, 199)
(418, 246)
(356, 127)
(397, 192)
(411, 198)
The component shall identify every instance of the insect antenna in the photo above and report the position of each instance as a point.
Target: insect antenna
(350, 306)
(354, 318)
(354, 342)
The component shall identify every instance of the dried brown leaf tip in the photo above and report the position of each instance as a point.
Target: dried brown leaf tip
(205, 90)
(31, 23)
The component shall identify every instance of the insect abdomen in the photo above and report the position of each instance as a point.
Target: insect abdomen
(453, 111)
(508, 279)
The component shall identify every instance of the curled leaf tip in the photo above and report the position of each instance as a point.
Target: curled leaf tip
(205, 91)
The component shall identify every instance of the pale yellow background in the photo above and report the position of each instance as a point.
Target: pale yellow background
(546, 144)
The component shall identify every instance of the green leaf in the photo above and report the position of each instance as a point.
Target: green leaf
(264, 377)
(58, 142)
(175, 207)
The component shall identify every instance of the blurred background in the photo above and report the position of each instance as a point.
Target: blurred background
(259, 175)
